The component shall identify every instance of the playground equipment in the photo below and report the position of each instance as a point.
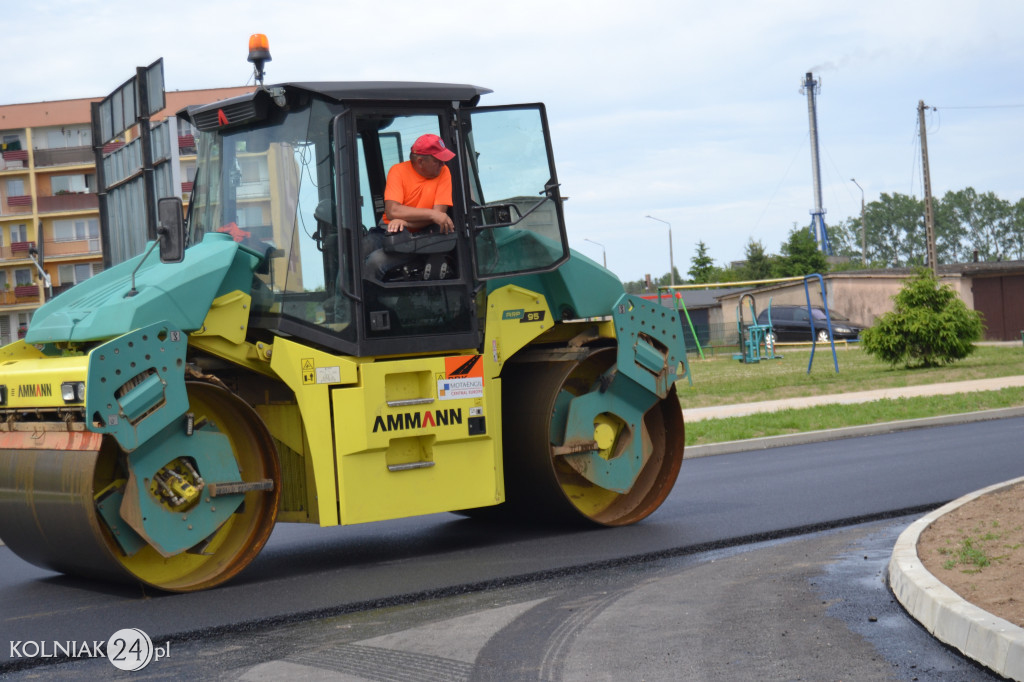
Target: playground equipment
(754, 336)
(670, 290)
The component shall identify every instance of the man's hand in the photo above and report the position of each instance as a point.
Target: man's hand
(397, 225)
(444, 222)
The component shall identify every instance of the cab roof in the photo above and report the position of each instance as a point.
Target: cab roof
(377, 91)
(254, 105)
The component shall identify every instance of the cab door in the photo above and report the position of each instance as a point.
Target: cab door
(404, 312)
(514, 205)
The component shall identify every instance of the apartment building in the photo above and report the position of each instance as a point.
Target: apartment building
(48, 197)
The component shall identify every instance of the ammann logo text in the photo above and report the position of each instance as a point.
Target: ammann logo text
(417, 420)
(35, 390)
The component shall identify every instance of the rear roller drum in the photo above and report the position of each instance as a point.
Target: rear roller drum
(542, 479)
(74, 506)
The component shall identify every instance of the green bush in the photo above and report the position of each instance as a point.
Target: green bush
(928, 327)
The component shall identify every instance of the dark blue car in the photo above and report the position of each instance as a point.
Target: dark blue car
(791, 323)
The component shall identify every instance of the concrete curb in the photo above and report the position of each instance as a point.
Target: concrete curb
(730, 447)
(995, 643)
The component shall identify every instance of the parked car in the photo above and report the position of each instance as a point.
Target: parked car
(791, 323)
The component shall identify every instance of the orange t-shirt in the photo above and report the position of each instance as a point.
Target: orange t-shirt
(409, 188)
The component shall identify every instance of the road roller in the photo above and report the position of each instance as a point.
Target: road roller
(247, 367)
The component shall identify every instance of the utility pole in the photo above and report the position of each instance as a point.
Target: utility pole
(671, 260)
(929, 216)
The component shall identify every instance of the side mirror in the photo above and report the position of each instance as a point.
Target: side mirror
(170, 230)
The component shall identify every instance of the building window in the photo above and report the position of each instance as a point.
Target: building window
(70, 183)
(75, 230)
(62, 138)
(22, 277)
(73, 273)
(23, 320)
(15, 188)
(19, 233)
(250, 216)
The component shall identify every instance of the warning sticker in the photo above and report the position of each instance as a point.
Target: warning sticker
(328, 375)
(463, 378)
(308, 371)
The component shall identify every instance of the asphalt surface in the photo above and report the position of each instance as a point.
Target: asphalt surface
(770, 611)
(809, 608)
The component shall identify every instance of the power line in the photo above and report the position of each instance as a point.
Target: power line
(987, 106)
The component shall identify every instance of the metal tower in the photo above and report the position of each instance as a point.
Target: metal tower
(811, 87)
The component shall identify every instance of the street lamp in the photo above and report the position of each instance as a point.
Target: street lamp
(604, 254)
(671, 261)
(863, 227)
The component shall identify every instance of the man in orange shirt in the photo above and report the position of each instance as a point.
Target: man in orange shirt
(418, 195)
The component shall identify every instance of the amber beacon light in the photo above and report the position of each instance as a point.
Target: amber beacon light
(259, 53)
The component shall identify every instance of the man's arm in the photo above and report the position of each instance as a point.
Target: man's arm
(417, 218)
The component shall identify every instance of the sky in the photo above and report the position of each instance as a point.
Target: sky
(688, 112)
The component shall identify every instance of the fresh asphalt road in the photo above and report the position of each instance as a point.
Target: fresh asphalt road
(306, 571)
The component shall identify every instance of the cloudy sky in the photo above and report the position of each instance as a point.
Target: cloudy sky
(690, 112)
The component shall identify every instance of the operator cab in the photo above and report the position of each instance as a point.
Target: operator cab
(296, 174)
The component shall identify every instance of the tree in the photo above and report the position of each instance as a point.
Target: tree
(702, 268)
(758, 263)
(896, 234)
(844, 238)
(928, 326)
(1015, 242)
(982, 220)
(950, 234)
(800, 255)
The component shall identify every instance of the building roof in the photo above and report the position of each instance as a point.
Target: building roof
(77, 111)
(696, 298)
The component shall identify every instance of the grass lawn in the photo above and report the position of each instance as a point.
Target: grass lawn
(724, 381)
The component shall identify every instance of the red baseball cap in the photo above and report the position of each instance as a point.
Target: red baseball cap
(432, 145)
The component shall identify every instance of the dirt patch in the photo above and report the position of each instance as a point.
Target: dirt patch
(977, 550)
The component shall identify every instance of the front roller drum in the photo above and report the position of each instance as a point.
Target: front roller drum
(52, 484)
(541, 482)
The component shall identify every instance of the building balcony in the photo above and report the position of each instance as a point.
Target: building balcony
(71, 247)
(64, 157)
(253, 190)
(14, 159)
(67, 202)
(186, 145)
(16, 205)
(21, 249)
(12, 297)
(26, 291)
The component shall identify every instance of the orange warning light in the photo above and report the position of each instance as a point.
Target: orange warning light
(259, 47)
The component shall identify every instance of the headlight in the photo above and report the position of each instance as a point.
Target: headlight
(842, 330)
(73, 391)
